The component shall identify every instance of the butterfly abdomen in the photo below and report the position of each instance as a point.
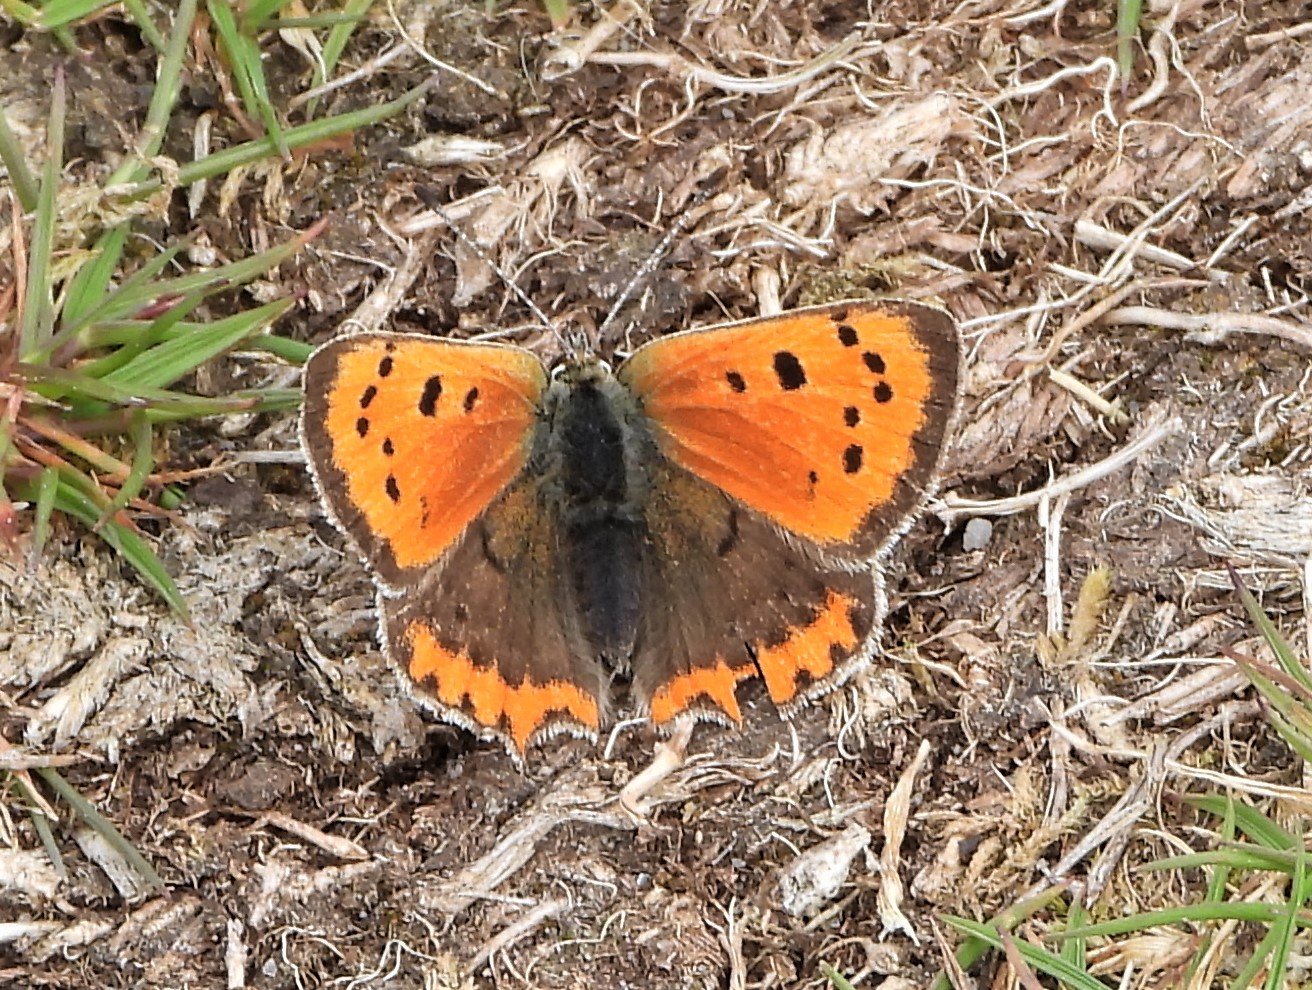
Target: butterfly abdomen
(599, 519)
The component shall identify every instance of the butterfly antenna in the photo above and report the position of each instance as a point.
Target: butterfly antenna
(681, 224)
(430, 200)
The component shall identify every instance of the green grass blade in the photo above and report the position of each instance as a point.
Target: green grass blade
(145, 24)
(163, 99)
(559, 11)
(37, 324)
(297, 137)
(87, 288)
(39, 822)
(138, 290)
(88, 813)
(354, 12)
(257, 15)
(1128, 13)
(1248, 820)
(839, 981)
(170, 360)
(135, 294)
(24, 14)
(1247, 976)
(131, 547)
(59, 13)
(1271, 634)
(292, 351)
(338, 37)
(972, 950)
(1286, 929)
(47, 485)
(1184, 914)
(1074, 951)
(123, 332)
(195, 407)
(1217, 888)
(143, 462)
(1038, 958)
(315, 21)
(248, 71)
(80, 391)
(150, 334)
(1234, 857)
(1293, 730)
(20, 175)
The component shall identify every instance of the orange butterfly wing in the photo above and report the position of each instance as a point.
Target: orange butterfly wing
(418, 447)
(829, 421)
(410, 438)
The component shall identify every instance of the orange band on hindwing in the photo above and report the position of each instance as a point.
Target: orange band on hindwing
(518, 710)
(717, 684)
(810, 650)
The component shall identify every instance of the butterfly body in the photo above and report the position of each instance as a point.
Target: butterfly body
(713, 511)
(590, 462)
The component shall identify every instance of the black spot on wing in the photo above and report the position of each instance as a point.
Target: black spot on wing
(362, 426)
(730, 538)
(852, 416)
(367, 396)
(847, 335)
(735, 381)
(432, 392)
(874, 362)
(385, 366)
(883, 392)
(471, 399)
(852, 458)
(393, 490)
(788, 369)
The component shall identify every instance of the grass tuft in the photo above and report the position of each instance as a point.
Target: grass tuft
(105, 337)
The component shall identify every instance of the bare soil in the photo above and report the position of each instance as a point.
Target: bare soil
(1129, 263)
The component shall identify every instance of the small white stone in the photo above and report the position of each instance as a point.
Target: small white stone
(977, 534)
(815, 877)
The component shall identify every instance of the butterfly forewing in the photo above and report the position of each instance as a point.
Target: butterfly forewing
(410, 438)
(829, 421)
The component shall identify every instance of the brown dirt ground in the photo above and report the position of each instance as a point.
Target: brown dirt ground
(1128, 262)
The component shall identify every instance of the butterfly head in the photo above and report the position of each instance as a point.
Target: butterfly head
(575, 347)
(584, 368)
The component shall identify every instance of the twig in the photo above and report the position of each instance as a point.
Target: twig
(678, 65)
(952, 508)
(896, 813)
(508, 936)
(1212, 328)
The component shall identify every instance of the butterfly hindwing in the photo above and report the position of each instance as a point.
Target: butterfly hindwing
(482, 638)
(729, 597)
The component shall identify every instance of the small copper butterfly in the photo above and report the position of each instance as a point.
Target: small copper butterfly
(716, 509)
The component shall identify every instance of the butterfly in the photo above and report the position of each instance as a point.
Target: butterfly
(716, 509)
